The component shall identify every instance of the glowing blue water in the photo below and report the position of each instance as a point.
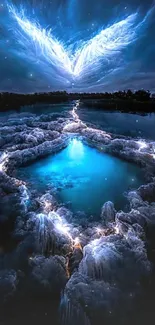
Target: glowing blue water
(84, 177)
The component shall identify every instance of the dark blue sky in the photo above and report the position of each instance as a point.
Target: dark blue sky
(27, 66)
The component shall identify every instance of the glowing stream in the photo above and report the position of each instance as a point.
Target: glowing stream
(74, 111)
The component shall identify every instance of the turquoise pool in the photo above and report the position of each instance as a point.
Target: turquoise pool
(83, 177)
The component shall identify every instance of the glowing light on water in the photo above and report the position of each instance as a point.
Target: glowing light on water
(76, 149)
(79, 173)
(77, 124)
(74, 111)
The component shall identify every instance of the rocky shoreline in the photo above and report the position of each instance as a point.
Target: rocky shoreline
(93, 268)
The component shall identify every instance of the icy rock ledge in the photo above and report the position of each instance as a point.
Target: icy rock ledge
(95, 267)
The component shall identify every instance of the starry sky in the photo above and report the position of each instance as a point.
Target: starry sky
(77, 45)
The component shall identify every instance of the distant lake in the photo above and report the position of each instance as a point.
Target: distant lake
(134, 125)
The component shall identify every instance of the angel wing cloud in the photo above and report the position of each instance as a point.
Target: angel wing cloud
(104, 44)
(85, 62)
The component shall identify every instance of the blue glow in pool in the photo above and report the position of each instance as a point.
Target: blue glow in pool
(84, 177)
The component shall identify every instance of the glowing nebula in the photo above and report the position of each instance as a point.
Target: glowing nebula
(75, 63)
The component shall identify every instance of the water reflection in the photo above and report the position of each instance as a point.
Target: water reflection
(134, 125)
(76, 151)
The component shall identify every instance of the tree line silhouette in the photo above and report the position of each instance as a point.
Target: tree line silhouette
(121, 100)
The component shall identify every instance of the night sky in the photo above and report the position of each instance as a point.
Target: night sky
(77, 45)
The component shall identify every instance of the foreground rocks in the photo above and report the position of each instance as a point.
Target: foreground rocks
(92, 268)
